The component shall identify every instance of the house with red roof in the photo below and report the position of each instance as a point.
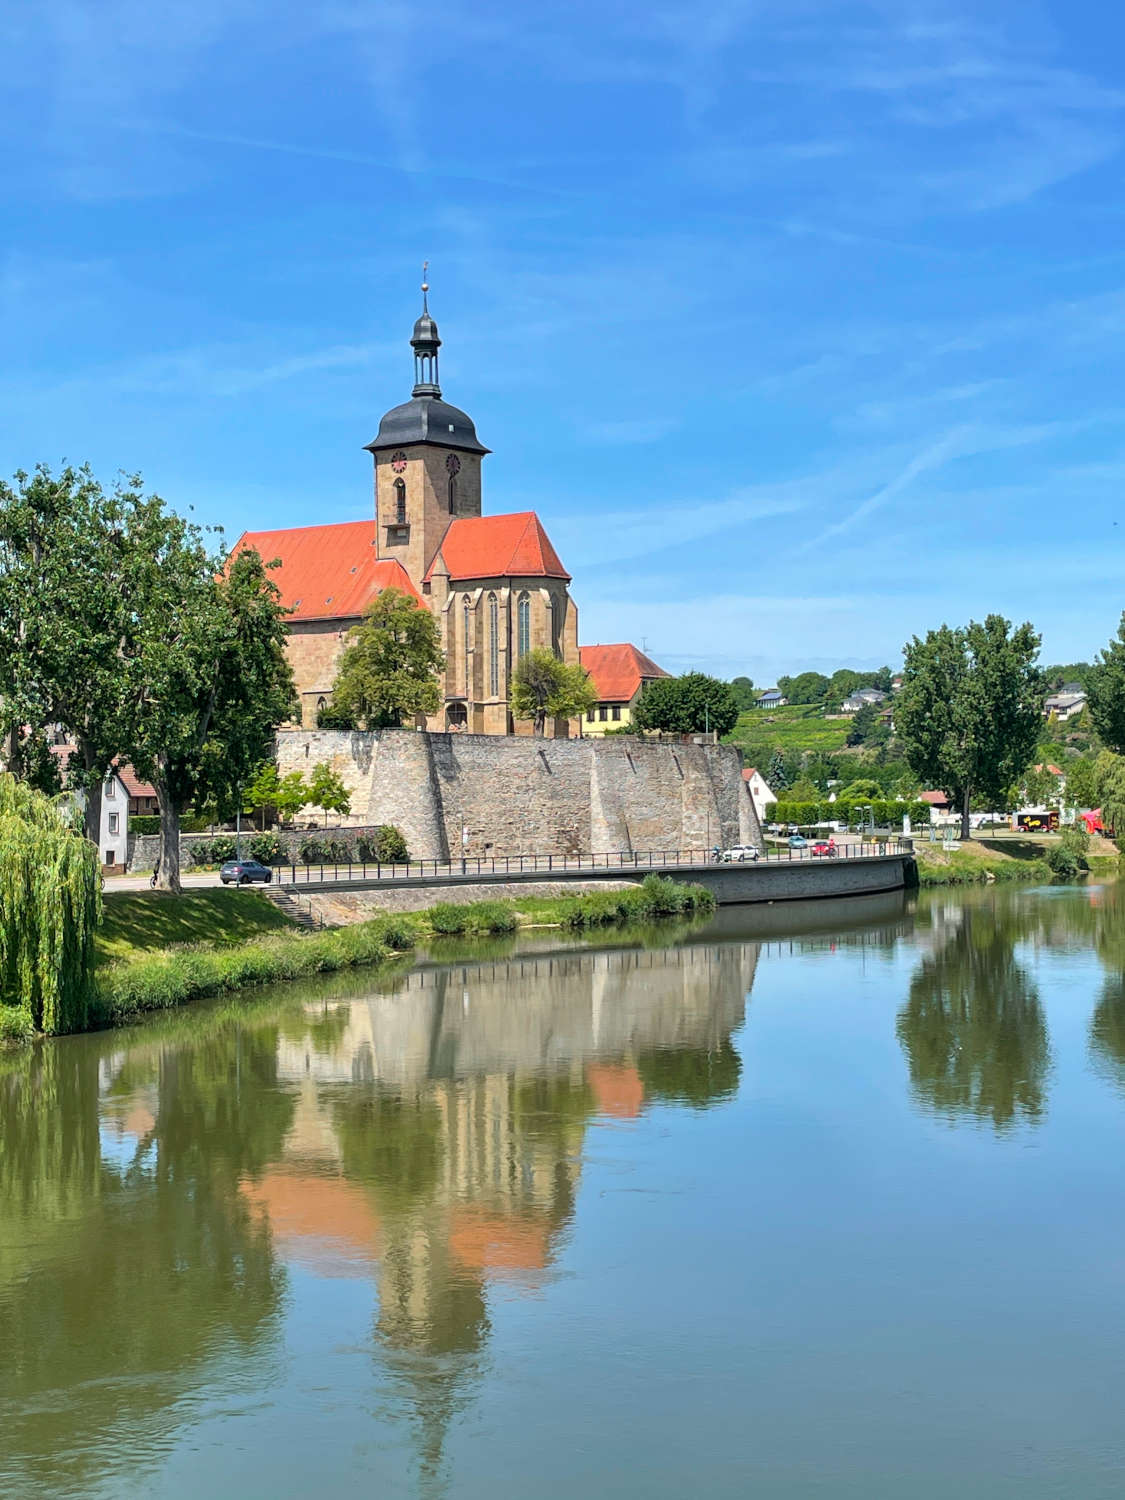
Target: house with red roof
(620, 675)
(495, 583)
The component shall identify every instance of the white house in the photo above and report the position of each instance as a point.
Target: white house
(760, 794)
(1066, 704)
(771, 699)
(122, 793)
(862, 698)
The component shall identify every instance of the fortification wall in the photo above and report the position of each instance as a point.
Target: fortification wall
(516, 795)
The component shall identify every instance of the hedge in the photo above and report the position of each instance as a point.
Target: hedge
(887, 813)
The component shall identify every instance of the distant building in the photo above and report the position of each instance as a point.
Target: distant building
(939, 801)
(620, 675)
(1065, 704)
(771, 699)
(862, 698)
(123, 793)
(760, 793)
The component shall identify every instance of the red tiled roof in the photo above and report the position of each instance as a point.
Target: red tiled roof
(935, 799)
(327, 572)
(498, 547)
(134, 786)
(1054, 770)
(618, 671)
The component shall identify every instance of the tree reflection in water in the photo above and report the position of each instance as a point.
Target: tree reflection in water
(973, 1028)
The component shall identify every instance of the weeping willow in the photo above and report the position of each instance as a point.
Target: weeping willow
(50, 904)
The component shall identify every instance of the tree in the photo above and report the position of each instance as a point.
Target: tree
(389, 672)
(691, 704)
(1105, 684)
(50, 904)
(742, 690)
(326, 790)
(864, 789)
(72, 565)
(1040, 787)
(969, 712)
(1067, 858)
(543, 687)
(292, 794)
(262, 794)
(807, 687)
(210, 676)
(842, 684)
(777, 777)
(1110, 770)
(1082, 783)
(802, 790)
(865, 722)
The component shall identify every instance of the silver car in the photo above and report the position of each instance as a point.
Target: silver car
(738, 855)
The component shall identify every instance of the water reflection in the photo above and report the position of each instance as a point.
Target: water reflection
(973, 1029)
(154, 1188)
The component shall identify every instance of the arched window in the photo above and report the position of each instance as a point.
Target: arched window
(400, 502)
(467, 643)
(453, 494)
(493, 646)
(523, 627)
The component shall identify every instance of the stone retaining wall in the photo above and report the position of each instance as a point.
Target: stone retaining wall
(516, 795)
(144, 847)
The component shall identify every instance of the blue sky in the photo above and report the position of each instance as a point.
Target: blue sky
(800, 322)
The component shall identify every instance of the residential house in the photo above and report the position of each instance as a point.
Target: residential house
(123, 794)
(1067, 703)
(862, 698)
(760, 793)
(771, 699)
(620, 675)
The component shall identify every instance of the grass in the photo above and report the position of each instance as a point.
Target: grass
(981, 860)
(152, 922)
(151, 957)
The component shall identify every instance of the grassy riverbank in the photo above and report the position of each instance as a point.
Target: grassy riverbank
(157, 951)
(1001, 858)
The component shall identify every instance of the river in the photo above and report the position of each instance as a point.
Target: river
(818, 1200)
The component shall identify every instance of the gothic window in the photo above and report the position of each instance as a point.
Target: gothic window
(523, 626)
(467, 626)
(493, 646)
(400, 502)
(551, 625)
(453, 494)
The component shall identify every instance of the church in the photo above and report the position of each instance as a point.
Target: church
(495, 583)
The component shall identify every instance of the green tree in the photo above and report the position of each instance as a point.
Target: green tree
(1040, 787)
(50, 904)
(689, 704)
(327, 791)
(842, 684)
(210, 676)
(72, 566)
(969, 712)
(802, 790)
(807, 687)
(1082, 782)
(865, 722)
(543, 687)
(292, 794)
(777, 777)
(263, 791)
(863, 789)
(1067, 858)
(389, 671)
(1110, 770)
(1105, 684)
(742, 690)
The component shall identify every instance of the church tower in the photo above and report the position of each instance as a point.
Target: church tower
(427, 462)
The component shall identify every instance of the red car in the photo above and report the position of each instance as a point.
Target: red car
(826, 848)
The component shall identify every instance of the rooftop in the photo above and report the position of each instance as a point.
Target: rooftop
(327, 572)
(618, 671)
(514, 546)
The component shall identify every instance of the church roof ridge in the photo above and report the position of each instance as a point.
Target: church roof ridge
(329, 571)
(511, 545)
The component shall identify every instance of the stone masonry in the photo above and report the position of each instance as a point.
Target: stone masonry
(516, 795)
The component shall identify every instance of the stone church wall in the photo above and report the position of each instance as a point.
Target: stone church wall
(529, 796)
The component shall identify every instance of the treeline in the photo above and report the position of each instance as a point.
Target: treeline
(885, 813)
(123, 624)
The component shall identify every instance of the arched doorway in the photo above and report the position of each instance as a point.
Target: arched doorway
(456, 716)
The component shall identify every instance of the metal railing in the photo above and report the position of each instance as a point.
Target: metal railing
(625, 861)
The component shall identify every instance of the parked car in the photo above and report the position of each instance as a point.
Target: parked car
(797, 842)
(243, 871)
(826, 848)
(739, 854)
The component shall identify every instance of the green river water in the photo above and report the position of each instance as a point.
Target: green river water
(816, 1201)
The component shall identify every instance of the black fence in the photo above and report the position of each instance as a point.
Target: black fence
(647, 861)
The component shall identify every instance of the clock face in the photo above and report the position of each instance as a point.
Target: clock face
(398, 462)
(453, 464)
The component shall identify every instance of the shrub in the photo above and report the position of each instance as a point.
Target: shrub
(1067, 858)
(268, 848)
(385, 845)
(222, 848)
(491, 917)
(448, 920)
(200, 854)
(655, 897)
(144, 823)
(15, 1025)
(338, 852)
(311, 852)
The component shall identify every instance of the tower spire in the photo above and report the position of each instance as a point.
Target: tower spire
(425, 343)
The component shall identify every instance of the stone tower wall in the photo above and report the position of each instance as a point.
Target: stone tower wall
(519, 795)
